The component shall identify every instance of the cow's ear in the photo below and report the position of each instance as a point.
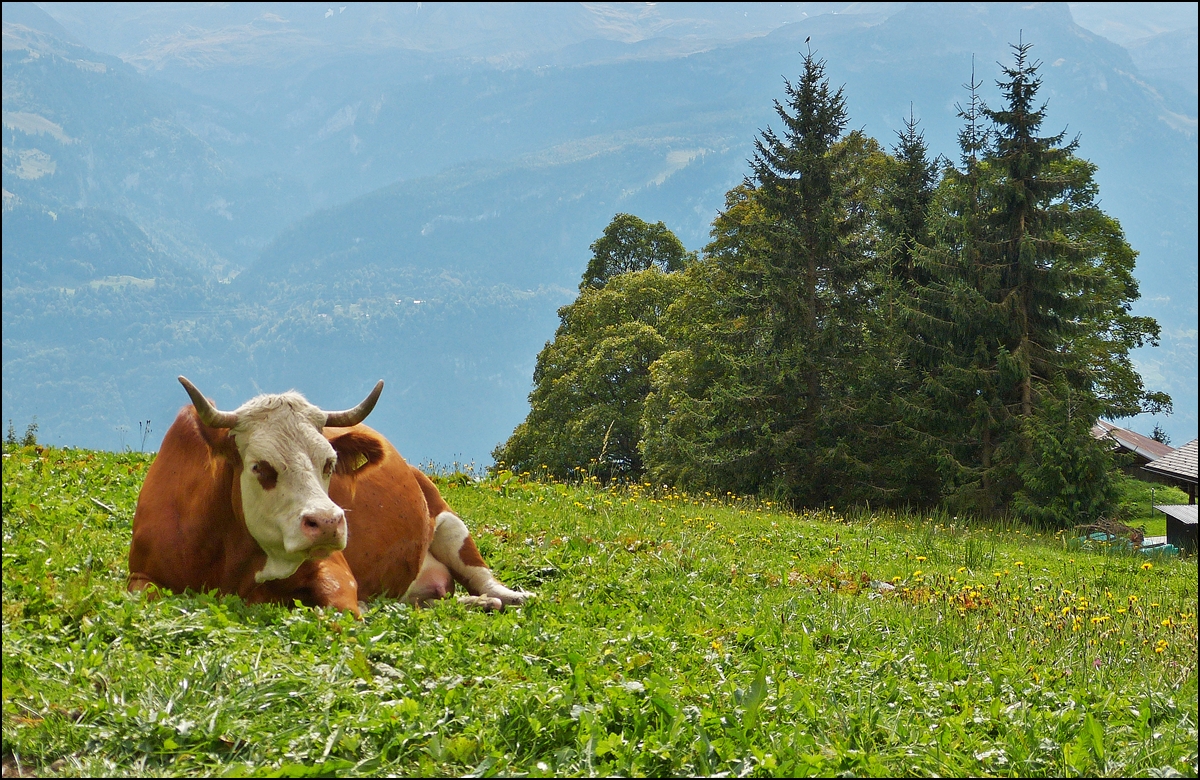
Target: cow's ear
(356, 451)
(219, 440)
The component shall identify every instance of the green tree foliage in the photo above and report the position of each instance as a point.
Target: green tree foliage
(1029, 292)
(863, 327)
(907, 195)
(950, 329)
(631, 244)
(764, 394)
(591, 381)
(1066, 478)
(28, 439)
(903, 467)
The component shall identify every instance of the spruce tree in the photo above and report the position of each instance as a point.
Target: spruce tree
(907, 195)
(763, 399)
(1028, 299)
(952, 330)
(1065, 282)
(902, 468)
(1038, 265)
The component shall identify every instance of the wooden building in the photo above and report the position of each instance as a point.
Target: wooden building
(1178, 468)
(1181, 525)
(1142, 450)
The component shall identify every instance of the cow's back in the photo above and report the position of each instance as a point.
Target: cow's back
(389, 518)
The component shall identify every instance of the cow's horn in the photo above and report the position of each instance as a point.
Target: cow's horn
(357, 414)
(209, 414)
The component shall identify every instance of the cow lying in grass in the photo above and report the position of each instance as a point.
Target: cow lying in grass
(279, 500)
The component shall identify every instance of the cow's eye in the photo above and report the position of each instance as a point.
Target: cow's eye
(266, 473)
(329, 464)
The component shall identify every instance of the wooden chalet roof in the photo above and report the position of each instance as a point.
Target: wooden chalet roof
(1184, 513)
(1126, 439)
(1180, 464)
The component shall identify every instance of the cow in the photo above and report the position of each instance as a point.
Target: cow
(279, 501)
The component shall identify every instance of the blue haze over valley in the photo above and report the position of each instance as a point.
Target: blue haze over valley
(271, 196)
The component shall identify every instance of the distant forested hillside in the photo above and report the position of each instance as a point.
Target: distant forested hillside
(266, 202)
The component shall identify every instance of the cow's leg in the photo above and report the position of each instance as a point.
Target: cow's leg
(333, 584)
(453, 546)
(139, 582)
(433, 582)
(317, 583)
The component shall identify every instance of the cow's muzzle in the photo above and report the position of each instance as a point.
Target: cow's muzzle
(325, 530)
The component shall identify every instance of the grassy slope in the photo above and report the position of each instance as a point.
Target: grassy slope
(670, 636)
(1137, 498)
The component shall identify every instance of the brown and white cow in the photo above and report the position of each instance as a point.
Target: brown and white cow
(279, 500)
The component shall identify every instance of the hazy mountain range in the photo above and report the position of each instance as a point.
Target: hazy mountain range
(265, 196)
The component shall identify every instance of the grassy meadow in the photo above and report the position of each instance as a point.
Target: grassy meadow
(671, 635)
(1137, 499)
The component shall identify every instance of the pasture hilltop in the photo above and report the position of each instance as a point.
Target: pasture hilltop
(672, 635)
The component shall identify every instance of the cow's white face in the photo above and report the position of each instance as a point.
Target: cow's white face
(286, 467)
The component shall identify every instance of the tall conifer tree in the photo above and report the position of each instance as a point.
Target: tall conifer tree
(906, 199)
(952, 328)
(1028, 299)
(788, 278)
(902, 470)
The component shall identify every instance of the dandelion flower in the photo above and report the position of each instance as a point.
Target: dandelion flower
(1147, 566)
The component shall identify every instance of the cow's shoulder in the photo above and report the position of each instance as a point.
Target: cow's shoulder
(390, 525)
(185, 530)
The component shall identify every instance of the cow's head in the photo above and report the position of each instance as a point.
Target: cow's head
(286, 465)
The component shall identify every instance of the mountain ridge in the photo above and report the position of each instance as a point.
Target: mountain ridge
(474, 190)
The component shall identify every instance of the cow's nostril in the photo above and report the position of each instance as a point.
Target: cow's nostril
(311, 524)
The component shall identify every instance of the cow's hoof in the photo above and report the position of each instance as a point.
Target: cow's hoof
(509, 597)
(486, 603)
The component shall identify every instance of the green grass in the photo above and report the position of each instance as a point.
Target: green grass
(1137, 499)
(670, 636)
